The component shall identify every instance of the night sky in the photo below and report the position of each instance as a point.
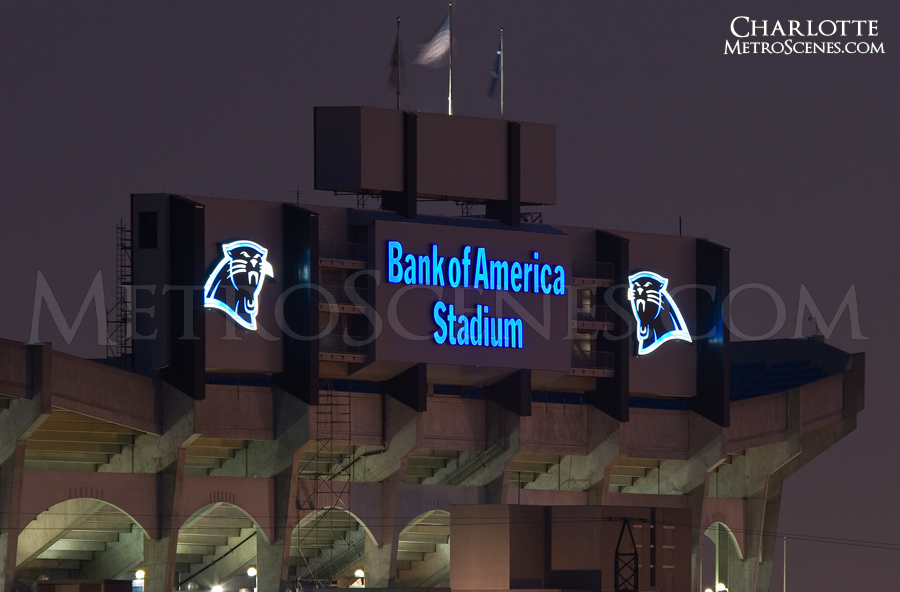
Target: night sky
(790, 160)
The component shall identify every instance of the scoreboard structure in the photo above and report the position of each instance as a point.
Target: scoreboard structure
(477, 403)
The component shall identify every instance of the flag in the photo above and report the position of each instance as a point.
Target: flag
(495, 73)
(433, 52)
(394, 78)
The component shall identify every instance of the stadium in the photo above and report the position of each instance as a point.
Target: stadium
(306, 396)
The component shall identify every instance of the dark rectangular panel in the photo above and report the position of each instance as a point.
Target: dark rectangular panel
(404, 201)
(150, 273)
(337, 148)
(461, 157)
(611, 394)
(509, 211)
(358, 149)
(410, 387)
(512, 392)
(187, 370)
(147, 230)
(538, 157)
(713, 362)
(300, 322)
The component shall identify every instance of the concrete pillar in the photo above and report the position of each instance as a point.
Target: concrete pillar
(378, 564)
(155, 564)
(6, 579)
(380, 559)
(11, 476)
(23, 417)
(159, 555)
(270, 558)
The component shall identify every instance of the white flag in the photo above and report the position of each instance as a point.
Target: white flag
(433, 52)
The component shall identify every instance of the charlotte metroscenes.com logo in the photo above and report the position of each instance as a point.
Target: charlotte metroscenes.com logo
(753, 36)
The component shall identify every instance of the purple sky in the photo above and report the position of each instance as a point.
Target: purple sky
(791, 160)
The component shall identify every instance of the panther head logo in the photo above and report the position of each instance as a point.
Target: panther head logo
(233, 286)
(657, 315)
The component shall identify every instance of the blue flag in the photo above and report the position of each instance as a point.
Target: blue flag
(495, 73)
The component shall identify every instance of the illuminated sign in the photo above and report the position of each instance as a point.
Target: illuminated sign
(657, 315)
(233, 286)
(473, 269)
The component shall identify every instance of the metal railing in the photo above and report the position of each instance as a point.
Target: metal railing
(597, 314)
(339, 344)
(582, 358)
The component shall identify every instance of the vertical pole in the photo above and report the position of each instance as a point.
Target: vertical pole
(784, 568)
(450, 94)
(501, 72)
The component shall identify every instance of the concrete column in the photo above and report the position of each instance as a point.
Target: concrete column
(269, 561)
(378, 564)
(155, 564)
(6, 579)
(11, 475)
(380, 560)
(159, 555)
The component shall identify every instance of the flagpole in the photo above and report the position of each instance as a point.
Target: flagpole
(501, 72)
(397, 52)
(450, 94)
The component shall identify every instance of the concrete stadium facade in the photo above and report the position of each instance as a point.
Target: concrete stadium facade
(332, 424)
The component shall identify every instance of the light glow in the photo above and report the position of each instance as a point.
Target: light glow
(658, 318)
(242, 267)
(474, 269)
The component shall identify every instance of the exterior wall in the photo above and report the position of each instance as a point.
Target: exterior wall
(549, 533)
(229, 347)
(78, 385)
(360, 149)
(670, 370)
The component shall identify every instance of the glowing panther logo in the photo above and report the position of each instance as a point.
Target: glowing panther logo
(657, 315)
(233, 286)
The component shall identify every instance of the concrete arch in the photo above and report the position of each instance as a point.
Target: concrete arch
(133, 494)
(328, 543)
(727, 551)
(713, 531)
(204, 510)
(219, 533)
(66, 537)
(251, 495)
(312, 514)
(423, 550)
(424, 516)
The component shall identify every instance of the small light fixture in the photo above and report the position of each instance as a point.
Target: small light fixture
(360, 581)
(251, 572)
(720, 587)
(139, 574)
(216, 588)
